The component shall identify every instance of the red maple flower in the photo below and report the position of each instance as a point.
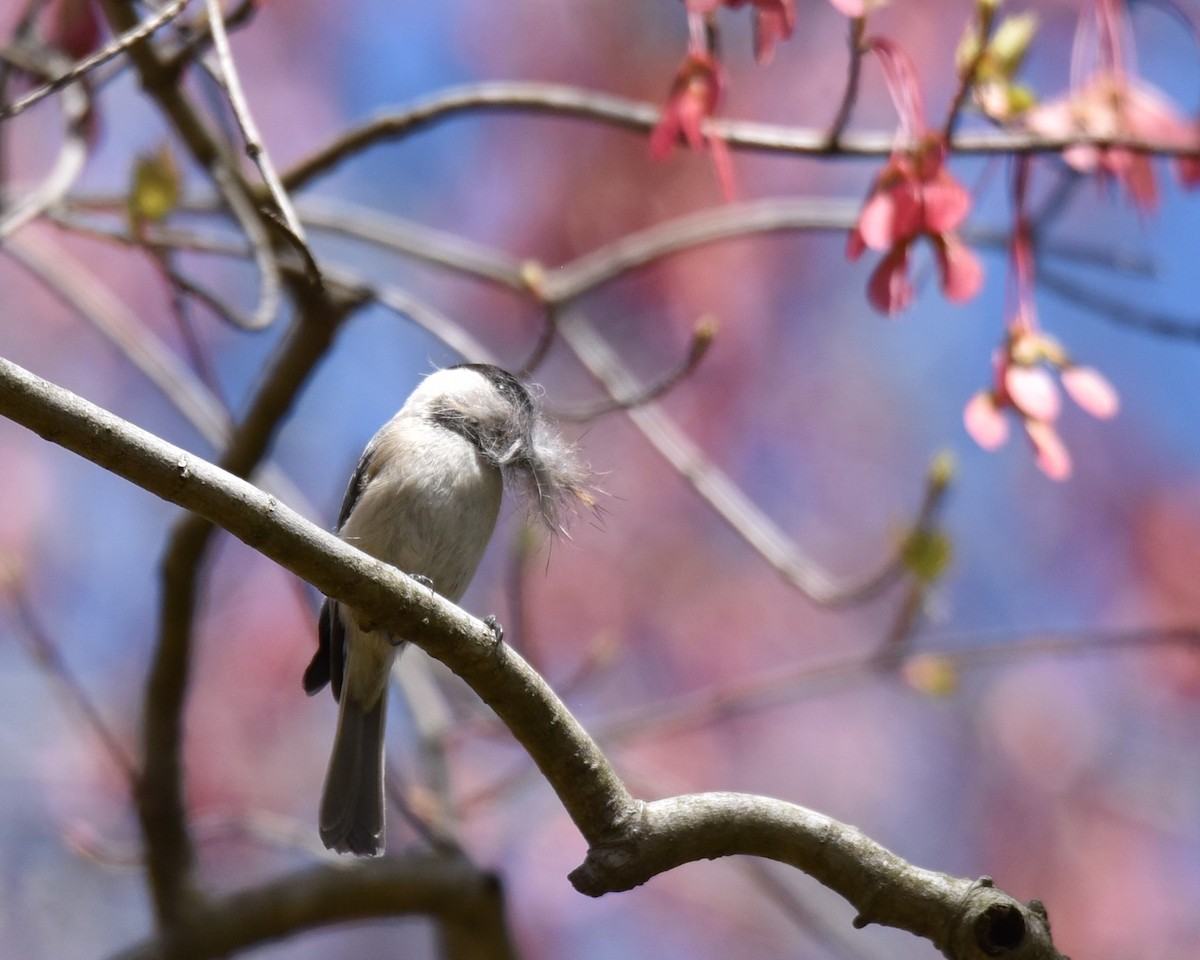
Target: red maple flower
(1111, 105)
(1024, 385)
(774, 20)
(914, 196)
(1023, 381)
(694, 96)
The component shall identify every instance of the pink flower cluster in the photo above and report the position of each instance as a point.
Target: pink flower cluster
(699, 83)
(774, 20)
(1111, 105)
(1024, 385)
(915, 196)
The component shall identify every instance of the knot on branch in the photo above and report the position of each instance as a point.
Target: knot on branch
(994, 924)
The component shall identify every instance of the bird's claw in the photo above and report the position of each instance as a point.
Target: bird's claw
(495, 626)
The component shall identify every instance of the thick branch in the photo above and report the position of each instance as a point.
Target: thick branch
(966, 920)
(629, 841)
(160, 795)
(459, 895)
(575, 767)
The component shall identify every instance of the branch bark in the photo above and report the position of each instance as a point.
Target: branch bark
(465, 901)
(629, 841)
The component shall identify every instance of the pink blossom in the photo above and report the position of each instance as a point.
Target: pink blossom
(1023, 385)
(850, 8)
(694, 96)
(774, 20)
(985, 421)
(913, 196)
(1112, 105)
(1052, 457)
(1091, 391)
(1031, 391)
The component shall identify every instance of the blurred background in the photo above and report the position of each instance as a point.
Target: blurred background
(1035, 747)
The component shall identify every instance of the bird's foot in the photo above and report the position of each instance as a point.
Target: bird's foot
(495, 626)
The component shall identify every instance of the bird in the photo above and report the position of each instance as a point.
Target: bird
(425, 498)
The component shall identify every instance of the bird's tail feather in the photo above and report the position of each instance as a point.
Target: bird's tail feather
(352, 802)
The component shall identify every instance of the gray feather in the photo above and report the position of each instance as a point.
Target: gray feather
(352, 803)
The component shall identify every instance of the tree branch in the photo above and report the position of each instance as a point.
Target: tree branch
(629, 841)
(467, 902)
(640, 117)
(966, 920)
(160, 797)
(570, 760)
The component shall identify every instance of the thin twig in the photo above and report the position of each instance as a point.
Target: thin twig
(72, 155)
(985, 16)
(592, 269)
(549, 329)
(255, 149)
(858, 28)
(412, 239)
(231, 189)
(47, 655)
(792, 684)
(701, 340)
(641, 117)
(1117, 311)
(716, 487)
(197, 37)
(454, 335)
(122, 43)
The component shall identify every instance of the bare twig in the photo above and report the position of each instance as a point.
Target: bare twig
(1124, 314)
(413, 240)
(714, 486)
(72, 156)
(858, 28)
(452, 334)
(795, 683)
(639, 117)
(985, 15)
(694, 230)
(47, 655)
(252, 225)
(702, 339)
(125, 41)
(255, 149)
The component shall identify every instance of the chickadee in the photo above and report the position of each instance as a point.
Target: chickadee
(425, 498)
